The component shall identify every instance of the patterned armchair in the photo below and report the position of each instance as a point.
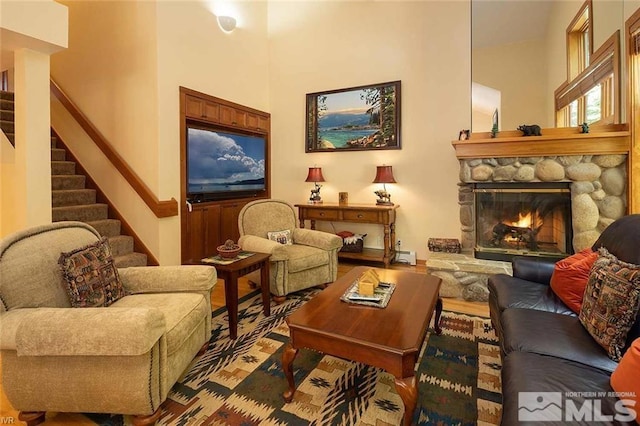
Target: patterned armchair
(310, 260)
(123, 358)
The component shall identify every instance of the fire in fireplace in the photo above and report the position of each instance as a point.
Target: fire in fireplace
(532, 219)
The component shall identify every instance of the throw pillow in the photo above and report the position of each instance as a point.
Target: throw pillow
(283, 237)
(625, 379)
(611, 302)
(570, 277)
(90, 276)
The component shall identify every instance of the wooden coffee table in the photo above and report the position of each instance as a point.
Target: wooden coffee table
(389, 338)
(230, 274)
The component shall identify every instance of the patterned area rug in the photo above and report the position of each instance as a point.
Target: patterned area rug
(241, 382)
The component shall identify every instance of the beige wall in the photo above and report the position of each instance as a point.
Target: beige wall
(110, 73)
(519, 71)
(333, 45)
(29, 33)
(137, 54)
(193, 52)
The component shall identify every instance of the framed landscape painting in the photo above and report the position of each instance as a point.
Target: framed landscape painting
(354, 119)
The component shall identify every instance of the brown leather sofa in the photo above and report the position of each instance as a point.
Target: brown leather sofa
(544, 346)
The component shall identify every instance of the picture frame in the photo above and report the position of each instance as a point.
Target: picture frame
(358, 118)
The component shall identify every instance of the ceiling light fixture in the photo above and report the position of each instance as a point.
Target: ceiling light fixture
(227, 23)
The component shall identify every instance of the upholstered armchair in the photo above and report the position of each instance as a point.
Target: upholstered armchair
(307, 259)
(123, 358)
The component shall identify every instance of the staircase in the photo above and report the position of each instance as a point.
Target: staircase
(6, 115)
(71, 200)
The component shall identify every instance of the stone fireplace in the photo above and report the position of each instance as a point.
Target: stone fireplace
(532, 219)
(597, 197)
(588, 171)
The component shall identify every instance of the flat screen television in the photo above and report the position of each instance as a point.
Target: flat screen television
(222, 164)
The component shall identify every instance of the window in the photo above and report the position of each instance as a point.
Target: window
(591, 92)
(580, 41)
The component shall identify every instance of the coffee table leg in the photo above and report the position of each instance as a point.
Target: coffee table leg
(438, 313)
(409, 393)
(264, 286)
(288, 356)
(231, 299)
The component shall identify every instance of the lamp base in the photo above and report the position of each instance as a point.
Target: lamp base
(384, 203)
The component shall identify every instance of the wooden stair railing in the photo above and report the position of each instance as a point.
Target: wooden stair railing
(165, 208)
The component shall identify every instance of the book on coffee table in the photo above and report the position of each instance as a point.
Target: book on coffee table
(379, 299)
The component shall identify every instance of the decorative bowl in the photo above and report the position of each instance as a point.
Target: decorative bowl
(228, 250)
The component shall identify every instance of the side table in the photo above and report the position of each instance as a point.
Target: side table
(231, 272)
(357, 213)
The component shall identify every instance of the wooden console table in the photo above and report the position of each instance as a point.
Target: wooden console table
(357, 213)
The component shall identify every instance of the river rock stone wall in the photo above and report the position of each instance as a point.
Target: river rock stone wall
(598, 188)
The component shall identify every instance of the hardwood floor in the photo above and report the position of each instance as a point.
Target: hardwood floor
(217, 300)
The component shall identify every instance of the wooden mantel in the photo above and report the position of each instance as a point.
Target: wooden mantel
(607, 139)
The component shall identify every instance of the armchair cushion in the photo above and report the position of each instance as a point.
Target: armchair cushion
(263, 245)
(303, 257)
(91, 278)
(182, 312)
(84, 332)
(321, 240)
(167, 279)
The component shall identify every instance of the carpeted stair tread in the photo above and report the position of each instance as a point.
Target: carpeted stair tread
(84, 213)
(6, 105)
(121, 245)
(58, 154)
(7, 126)
(107, 227)
(63, 168)
(72, 197)
(131, 259)
(7, 115)
(67, 182)
(7, 96)
(54, 142)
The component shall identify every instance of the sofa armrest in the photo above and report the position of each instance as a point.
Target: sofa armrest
(168, 279)
(263, 245)
(536, 270)
(319, 239)
(107, 331)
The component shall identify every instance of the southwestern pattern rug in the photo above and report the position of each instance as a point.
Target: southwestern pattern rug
(241, 382)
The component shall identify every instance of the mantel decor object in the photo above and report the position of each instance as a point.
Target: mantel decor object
(495, 127)
(315, 176)
(354, 119)
(384, 175)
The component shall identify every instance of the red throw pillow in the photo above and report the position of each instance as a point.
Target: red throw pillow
(625, 379)
(570, 277)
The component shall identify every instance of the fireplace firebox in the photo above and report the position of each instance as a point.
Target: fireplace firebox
(532, 219)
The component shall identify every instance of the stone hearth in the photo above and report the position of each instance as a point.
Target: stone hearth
(463, 276)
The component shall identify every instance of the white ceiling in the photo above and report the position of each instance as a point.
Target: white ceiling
(495, 22)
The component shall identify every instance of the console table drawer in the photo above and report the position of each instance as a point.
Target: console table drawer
(360, 216)
(321, 214)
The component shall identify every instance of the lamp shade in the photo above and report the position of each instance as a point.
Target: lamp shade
(315, 175)
(384, 174)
